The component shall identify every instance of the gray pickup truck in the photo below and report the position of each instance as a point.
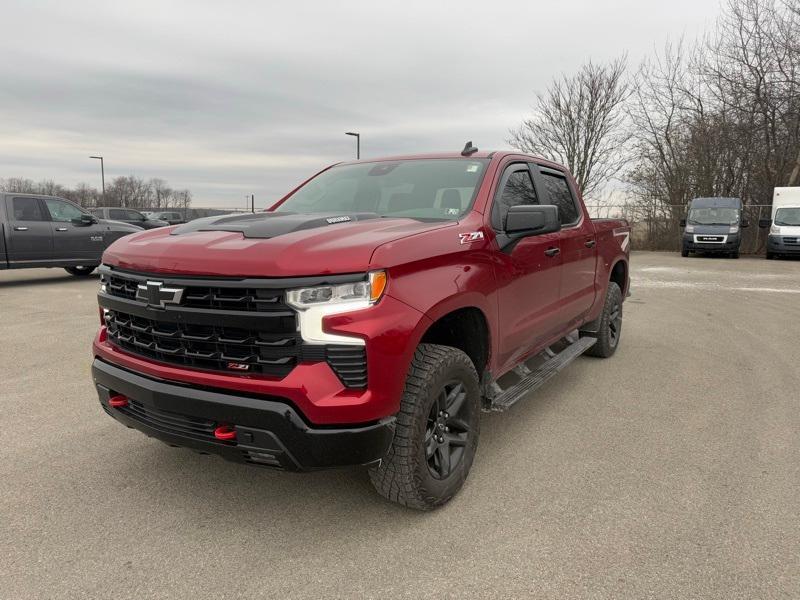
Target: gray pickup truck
(44, 231)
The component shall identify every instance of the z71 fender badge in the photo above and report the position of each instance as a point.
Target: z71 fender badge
(472, 236)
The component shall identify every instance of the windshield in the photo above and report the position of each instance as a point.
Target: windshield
(787, 216)
(432, 189)
(714, 216)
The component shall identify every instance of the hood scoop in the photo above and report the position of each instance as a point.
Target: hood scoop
(266, 225)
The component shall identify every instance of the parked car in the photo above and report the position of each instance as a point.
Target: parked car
(46, 231)
(366, 318)
(128, 215)
(173, 218)
(713, 226)
(784, 226)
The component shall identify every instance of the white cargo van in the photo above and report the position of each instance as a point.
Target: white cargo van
(784, 224)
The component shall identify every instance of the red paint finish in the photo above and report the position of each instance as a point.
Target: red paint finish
(528, 298)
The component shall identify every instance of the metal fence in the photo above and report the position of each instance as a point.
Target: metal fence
(663, 231)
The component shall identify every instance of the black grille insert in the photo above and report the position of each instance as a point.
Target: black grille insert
(170, 422)
(217, 348)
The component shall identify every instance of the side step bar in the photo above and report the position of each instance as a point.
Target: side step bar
(532, 380)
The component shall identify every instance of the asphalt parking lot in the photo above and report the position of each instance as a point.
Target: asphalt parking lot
(671, 470)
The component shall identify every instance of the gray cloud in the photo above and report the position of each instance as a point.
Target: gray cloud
(239, 97)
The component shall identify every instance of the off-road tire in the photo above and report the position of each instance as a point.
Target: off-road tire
(734, 254)
(770, 256)
(404, 475)
(81, 271)
(607, 341)
(684, 252)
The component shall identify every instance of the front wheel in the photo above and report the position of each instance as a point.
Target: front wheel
(770, 256)
(610, 329)
(437, 430)
(80, 271)
(684, 252)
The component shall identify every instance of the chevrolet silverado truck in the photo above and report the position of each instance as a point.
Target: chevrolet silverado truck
(367, 318)
(46, 231)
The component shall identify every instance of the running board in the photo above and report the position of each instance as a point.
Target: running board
(506, 398)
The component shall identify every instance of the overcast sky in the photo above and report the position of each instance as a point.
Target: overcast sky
(232, 98)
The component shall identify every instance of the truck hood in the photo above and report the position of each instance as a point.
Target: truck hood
(265, 244)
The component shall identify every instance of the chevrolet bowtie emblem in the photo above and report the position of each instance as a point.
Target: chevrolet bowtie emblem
(155, 294)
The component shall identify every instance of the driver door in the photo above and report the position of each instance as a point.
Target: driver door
(528, 273)
(73, 240)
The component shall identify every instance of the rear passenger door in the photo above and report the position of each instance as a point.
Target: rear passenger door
(578, 244)
(30, 238)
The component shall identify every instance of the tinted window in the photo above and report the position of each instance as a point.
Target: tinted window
(62, 211)
(517, 190)
(134, 215)
(558, 193)
(117, 213)
(27, 209)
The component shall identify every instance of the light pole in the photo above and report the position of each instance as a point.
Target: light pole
(358, 143)
(102, 175)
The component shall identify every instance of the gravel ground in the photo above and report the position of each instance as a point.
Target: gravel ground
(671, 470)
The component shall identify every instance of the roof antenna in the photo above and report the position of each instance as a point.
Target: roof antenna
(469, 149)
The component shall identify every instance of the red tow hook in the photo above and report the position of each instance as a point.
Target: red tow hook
(118, 401)
(225, 433)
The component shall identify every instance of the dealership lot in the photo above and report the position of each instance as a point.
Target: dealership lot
(670, 470)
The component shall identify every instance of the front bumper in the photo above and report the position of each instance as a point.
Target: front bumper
(731, 244)
(776, 244)
(269, 431)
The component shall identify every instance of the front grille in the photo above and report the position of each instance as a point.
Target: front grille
(211, 347)
(170, 422)
(791, 240)
(228, 325)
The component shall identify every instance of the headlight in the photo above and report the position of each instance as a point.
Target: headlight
(733, 229)
(690, 229)
(314, 304)
(369, 291)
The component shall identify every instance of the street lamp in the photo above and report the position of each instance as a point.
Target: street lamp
(358, 143)
(102, 175)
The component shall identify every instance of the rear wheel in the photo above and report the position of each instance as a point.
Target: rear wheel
(610, 328)
(437, 430)
(80, 271)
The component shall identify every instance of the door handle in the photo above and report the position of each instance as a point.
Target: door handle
(590, 243)
(552, 251)
(61, 228)
(20, 228)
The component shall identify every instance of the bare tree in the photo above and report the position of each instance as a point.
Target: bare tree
(579, 121)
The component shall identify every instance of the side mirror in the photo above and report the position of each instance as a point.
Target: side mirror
(682, 223)
(744, 223)
(85, 220)
(532, 219)
(764, 223)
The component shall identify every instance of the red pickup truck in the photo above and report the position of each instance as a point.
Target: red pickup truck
(366, 318)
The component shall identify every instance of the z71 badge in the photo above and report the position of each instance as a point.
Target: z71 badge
(472, 236)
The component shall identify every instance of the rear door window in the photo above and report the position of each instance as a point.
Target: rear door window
(27, 209)
(558, 193)
(117, 213)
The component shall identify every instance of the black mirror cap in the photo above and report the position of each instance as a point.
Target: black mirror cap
(744, 223)
(764, 223)
(532, 219)
(682, 223)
